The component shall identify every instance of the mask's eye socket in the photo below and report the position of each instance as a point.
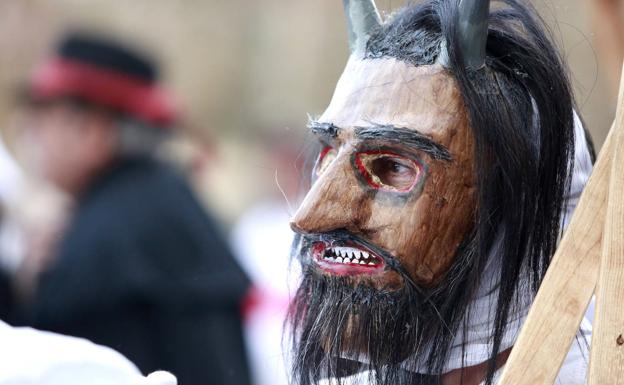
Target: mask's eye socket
(388, 171)
(326, 157)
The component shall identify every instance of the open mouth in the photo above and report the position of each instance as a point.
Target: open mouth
(346, 259)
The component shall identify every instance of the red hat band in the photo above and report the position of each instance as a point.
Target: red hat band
(136, 97)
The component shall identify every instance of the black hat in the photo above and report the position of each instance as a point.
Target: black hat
(105, 73)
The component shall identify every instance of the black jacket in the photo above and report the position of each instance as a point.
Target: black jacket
(6, 297)
(143, 270)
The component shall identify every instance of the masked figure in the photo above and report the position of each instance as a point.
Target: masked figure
(446, 169)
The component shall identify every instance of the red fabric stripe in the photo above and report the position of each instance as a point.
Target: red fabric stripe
(136, 97)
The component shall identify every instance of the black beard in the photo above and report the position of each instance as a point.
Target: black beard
(339, 328)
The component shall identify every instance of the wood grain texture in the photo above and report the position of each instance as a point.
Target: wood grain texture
(423, 99)
(607, 354)
(566, 290)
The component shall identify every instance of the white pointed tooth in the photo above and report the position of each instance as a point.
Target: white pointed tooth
(371, 263)
(365, 255)
(346, 260)
(355, 254)
(345, 253)
(362, 263)
(338, 259)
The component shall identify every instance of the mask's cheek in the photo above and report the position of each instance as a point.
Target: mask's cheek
(447, 210)
(406, 232)
(424, 234)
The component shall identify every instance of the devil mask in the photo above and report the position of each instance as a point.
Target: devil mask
(392, 157)
(446, 144)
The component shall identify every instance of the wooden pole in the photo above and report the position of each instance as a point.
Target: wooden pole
(607, 354)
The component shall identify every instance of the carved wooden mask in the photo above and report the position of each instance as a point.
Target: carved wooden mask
(396, 172)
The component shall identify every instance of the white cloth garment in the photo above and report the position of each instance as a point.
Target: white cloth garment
(573, 371)
(33, 357)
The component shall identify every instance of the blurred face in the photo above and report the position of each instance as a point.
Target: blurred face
(395, 180)
(66, 145)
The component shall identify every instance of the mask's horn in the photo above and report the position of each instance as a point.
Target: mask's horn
(362, 18)
(473, 27)
(472, 32)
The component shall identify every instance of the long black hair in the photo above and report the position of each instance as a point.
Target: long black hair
(520, 107)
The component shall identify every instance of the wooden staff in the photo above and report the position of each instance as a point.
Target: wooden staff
(607, 353)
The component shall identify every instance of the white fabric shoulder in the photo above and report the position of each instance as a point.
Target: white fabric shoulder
(573, 371)
(33, 357)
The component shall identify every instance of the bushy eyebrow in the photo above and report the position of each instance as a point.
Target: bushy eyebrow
(387, 132)
(404, 136)
(327, 131)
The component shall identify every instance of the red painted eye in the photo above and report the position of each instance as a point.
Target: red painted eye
(326, 157)
(388, 171)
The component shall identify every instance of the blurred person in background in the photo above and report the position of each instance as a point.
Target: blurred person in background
(33, 357)
(141, 267)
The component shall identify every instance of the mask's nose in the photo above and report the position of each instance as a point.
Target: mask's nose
(335, 201)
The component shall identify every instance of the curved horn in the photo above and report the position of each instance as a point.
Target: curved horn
(473, 31)
(362, 18)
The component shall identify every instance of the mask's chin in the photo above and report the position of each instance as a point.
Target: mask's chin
(359, 350)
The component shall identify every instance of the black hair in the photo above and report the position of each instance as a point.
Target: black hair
(520, 107)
